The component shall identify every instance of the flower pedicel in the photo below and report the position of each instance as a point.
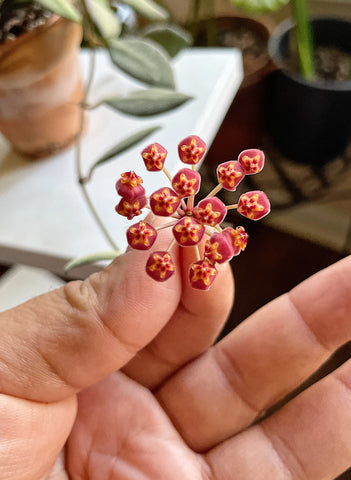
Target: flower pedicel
(190, 222)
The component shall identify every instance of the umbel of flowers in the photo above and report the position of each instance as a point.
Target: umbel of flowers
(190, 221)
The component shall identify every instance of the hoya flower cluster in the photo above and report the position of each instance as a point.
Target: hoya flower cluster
(191, 221)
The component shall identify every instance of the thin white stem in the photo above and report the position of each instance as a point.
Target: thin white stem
(168, 175)
(232, 207)
(171, 245)
(166, 225)
(180, 212)
(197, 253)
(218, 228)
(82, 181)
(184, 205)
(190, 203)
(214, 191)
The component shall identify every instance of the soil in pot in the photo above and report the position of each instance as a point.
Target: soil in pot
(243, 125)
(39, 93)
(331, 64)
(19, 20)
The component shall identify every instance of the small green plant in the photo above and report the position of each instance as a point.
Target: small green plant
(303, 28)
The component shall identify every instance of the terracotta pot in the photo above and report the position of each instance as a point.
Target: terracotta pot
(41, 87)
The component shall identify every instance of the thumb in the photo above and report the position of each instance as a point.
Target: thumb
(54, 345)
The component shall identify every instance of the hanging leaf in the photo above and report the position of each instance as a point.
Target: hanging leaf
(64, 8)
(148, 102)
(121, 147)
(171, 37)
(92, 258)
(259, 6)
(143, 60)
(148, 9)
(103, 17)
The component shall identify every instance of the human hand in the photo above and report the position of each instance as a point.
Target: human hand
(178, 409)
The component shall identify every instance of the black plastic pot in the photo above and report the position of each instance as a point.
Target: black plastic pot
(309, 122)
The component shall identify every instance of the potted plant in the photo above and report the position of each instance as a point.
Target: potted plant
(243, 124)
(41, 95)
(309, 93)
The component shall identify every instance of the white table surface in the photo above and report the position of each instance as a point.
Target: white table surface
(21, 283)
(44, 219)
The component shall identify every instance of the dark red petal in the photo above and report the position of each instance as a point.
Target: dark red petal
(141, 236)
(210, 211)
(191, 149)
(164, 202)
(230, 174)
(238, 237)
(160, 266)
(188, 232)
(202, 274)
(218, 248)
(186, 182)
(154, 157)
(254, 205)
(131, 209)
(252, 160)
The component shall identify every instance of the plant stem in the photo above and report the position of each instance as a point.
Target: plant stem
(81, 180)
(304, 38)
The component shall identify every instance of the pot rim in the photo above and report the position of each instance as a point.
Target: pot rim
(9, 45)
(274, 41)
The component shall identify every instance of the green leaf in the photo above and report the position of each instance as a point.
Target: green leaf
(148, 9)
(171, 37)
(103, 17)
(122, 146)
(148, 102)
(92, 258)
(259, 6)
(143, 60)
(64, 8)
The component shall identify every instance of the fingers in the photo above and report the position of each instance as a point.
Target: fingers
(56, 344)
(27, 450)
(309, 438)
(226, 389)
(192, 329)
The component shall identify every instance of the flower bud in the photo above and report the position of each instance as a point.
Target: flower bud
(131, 209)
(254, 205)
(164, 202)
(202, 274)
(191, 149)
(154, 157)
(230, 174)
(252, 160)
(129, 186)
(141, 236)
(160, 266)
(238, 237)
(218, 248)
(210, 211)
(186, 182)
(188, 232)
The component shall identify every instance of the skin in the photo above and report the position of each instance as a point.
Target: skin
(115, 378)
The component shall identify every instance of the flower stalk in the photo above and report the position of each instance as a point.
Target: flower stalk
(81, 179)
